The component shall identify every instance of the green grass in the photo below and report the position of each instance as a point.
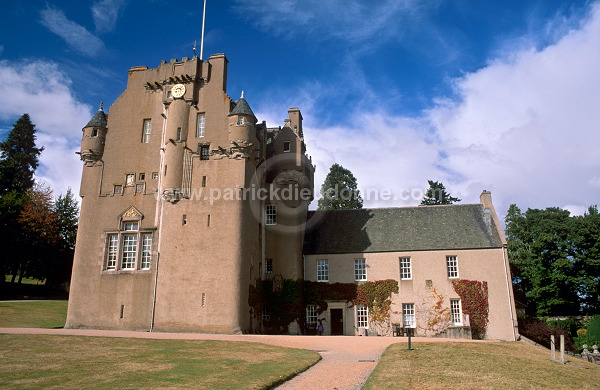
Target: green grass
(502, 365)
(24, 314)
(63, 362)
(37, 282)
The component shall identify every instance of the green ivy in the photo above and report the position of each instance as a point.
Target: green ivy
(474, 300)
(377, 296)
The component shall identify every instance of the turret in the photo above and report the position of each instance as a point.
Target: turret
(242, 124)
(94, 136)
(176, 134)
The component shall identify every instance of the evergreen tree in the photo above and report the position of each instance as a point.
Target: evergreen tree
(436, 194)
(19, 157)
(340, 190)
(67, 212)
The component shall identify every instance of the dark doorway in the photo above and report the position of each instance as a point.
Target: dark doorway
(337, 322)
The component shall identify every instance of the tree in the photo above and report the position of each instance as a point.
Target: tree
(555, 259)
(436, 194)
(340, 190)
(19, 157)
(67, 212)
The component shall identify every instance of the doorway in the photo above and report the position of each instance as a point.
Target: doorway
(337, 322)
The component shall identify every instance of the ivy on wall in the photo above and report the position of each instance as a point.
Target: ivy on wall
(377, 296)
(437, 315)
(474, 300)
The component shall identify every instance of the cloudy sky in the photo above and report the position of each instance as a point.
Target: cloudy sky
(503, 96)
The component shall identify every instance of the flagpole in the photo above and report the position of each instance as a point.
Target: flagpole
(202, 38)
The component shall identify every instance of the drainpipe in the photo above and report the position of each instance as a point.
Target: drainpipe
(508, 289)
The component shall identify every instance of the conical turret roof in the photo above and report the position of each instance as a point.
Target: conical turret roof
(242, 108)
(99, 119)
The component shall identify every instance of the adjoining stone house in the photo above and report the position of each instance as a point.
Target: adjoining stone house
(420, 247)
(187, 200)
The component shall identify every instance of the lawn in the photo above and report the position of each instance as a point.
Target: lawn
(62, 362)
(503, 365)
(25, 314)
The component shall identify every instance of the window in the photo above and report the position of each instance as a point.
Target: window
(455, 312)
(311, 316)
(286, 146)
(146, 130)
(452, 265)
(139, 188)
(204, 152)
(240, 120)
(270, 214)
(203, 181)
(129, 179)
(322, 270)
(154, 175)
(360, 269)
(269, 266)
(129, 248)
(362, 316)
(200, 120)
(142, 177)
(94, 133)
(178, 134)
(118, 189)
(408, 315)
(405, 268)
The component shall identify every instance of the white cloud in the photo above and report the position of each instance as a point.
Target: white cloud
(74, 34)
(106, 13)
(44, 92)
(524, 127)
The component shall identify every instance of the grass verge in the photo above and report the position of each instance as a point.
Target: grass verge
(503, 365)
(39, 361)
(24, 314)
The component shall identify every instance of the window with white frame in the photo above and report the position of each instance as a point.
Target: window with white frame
(405, 268)
(311, 316)
(452, 266)
(362, 316)
(360, 269)
(268, 266)
(322, 270)
(455, 312)
(408, 315)
(270, 214)
(146, 130)
(200, 123)
(130, 248)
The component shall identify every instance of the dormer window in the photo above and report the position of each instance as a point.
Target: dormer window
(130, 247)
(240, 120)
(94, 133)
(286, 146)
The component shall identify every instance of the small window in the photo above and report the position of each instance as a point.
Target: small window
(270, 214)
(94, 133)
(408, 315)
(452, 266)
(178, 134)
(118, 189)
(129, 179)
(286, 146)
(240, 120)
(154, 175)
(455, 312)
(146, 251)
(405, 268)
(184, 220)
(203, 181)
(139, 188)
(322, 270)
(146, 130)
(203, 299)
(142, 177)
(204, 152)
(268, 266)
(360, 269)
(362, 316)
(130, 226)
(200, 122)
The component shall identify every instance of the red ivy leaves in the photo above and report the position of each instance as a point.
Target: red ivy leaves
(474, 300)
(377, 296)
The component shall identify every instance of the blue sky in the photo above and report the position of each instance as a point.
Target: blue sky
(502, 96)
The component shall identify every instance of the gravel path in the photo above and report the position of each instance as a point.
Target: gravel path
(346, 361)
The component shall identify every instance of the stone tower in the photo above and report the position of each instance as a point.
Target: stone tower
(177, 213)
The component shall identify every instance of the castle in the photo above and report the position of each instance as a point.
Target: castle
(187, 200)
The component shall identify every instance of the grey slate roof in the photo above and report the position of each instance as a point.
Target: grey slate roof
(468, 226)
(242, 107)
(98, 120)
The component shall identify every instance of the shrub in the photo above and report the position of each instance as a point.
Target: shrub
(540, 332)
(593, 330)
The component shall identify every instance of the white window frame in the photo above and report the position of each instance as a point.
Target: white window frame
(146, 130)
(270, 214)
(362, 316)
(456, 312)
(268, 266)
(323, 270)
(311, 316)
(405, 268)
(128, 249)
(409, 320)
(200, 124)
(360, 269)
(452, 266)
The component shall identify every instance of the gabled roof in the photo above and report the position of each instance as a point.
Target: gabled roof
(468, 226)
(100, 119)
